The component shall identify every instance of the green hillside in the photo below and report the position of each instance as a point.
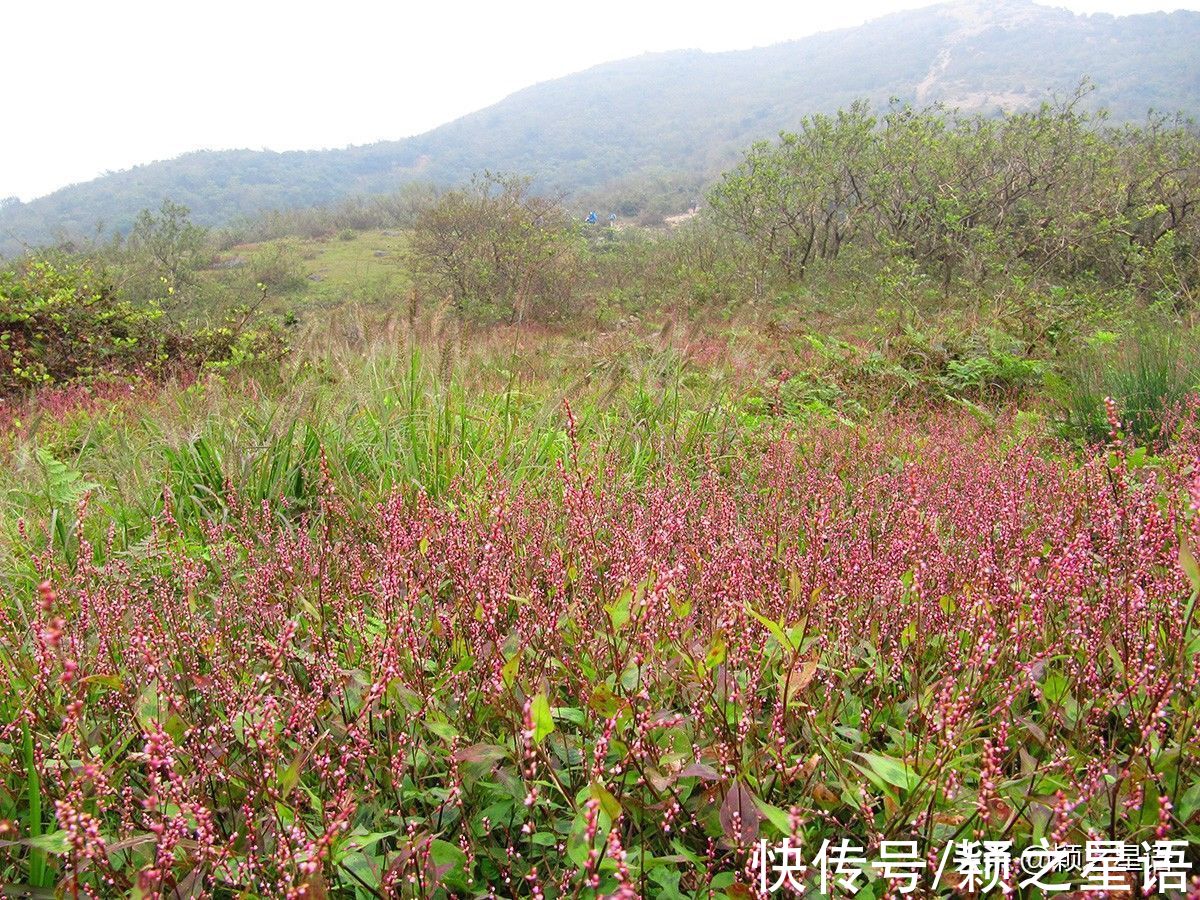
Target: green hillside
(684, 112)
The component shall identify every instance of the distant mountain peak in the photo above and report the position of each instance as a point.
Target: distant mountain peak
(975, 16)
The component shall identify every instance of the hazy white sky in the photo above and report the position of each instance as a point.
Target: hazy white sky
(94, 86)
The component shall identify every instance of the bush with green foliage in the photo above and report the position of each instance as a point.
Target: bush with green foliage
(64, 322)
(1053, 195)
(278, 266)
(498, 250)
(164, 251)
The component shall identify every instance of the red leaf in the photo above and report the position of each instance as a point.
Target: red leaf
(740, 815)
(481, 753)
(701, 771)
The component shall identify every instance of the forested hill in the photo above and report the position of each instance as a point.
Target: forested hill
(686, 112)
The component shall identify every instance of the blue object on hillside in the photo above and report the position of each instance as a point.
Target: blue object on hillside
(591, 219)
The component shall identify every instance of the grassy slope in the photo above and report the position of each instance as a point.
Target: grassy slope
(356, 267)
(364, 268)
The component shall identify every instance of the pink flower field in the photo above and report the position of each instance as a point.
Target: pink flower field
(924, 631)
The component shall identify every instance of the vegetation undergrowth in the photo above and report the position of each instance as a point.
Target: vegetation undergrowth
(589, 680)
(500, 555)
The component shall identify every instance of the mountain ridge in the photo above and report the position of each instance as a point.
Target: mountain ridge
(681, 111)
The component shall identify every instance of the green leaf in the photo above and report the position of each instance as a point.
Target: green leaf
(64, 485)
(147, 706)
(607, 801)
(1189, 803)
(1187, 562)
(112, 682)
(362, 839)
(37, 859)
(289, 776)
(367, 869)
(55, 842)
(716, 652)
(618, 610)
(1055, 688)
(569, 714)
(543, 721)
(442, 729)
(509, 670)
(604, 701)
(776, 816)
(449, 864)
(773, 627)
(893, 771)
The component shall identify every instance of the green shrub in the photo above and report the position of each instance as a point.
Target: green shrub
(278, 265)
(65, 322)
(498, 251)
